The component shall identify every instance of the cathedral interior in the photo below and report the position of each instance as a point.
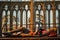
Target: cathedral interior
(30, 19)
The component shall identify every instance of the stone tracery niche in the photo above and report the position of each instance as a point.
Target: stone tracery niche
(38, 16)
(26, 16)
(5, 19)
(49, 16)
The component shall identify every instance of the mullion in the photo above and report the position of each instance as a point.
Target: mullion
(21, 17)
(11, 18)
(49, 18)
(16, 19)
